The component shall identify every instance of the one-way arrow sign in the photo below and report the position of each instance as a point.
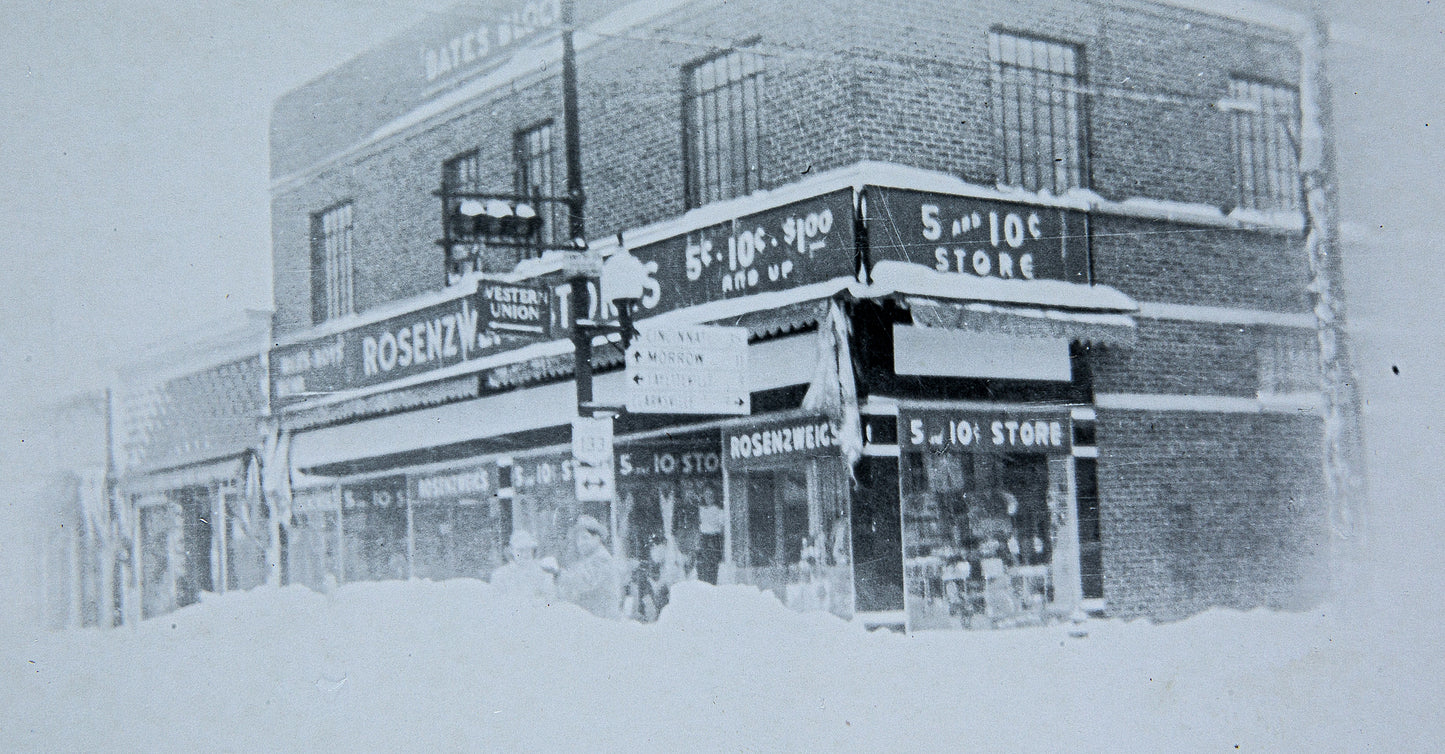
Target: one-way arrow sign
(592, 454)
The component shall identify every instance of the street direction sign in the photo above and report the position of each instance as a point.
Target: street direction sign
(592, 458)
(688, 370)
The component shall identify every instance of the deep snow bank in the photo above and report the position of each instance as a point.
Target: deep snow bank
(450, 667)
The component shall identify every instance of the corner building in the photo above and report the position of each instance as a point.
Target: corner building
(1024, 283)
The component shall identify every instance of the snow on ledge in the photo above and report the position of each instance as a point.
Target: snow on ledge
(901, 277)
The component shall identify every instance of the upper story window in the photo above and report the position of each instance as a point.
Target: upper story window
(462, 173)
(536, 176)
(1265, 133)
(722, 127)
(1288, 363)
(1038, 112)
(332, 278)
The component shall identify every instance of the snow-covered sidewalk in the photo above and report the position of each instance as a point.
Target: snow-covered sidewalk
(423, 666)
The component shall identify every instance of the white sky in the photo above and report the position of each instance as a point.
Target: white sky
(135, 178)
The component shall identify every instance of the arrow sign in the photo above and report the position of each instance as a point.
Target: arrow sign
(689, 370)
(592, 453)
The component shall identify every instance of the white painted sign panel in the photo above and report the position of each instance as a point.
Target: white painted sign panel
(938, 352)
(689, 370)
(593, 468)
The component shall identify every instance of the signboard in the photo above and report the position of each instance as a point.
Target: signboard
(777, 249)
(985, 431)
(592, 456)
(471, 485)
(496, 317)
(979, 237)
(689, 370)
(516, 307)
(675, 459)
(777, 442)
(473, 47)
(380, 492)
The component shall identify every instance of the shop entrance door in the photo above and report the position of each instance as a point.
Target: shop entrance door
(194, 574)
(877, 539)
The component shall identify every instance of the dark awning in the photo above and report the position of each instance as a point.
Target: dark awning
(1023, 321)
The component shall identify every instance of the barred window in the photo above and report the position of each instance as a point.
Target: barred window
(1288, 363)
(536, 175)
(722, 127)
(332, 283)
(462, 173)
(1266, 127)
(1038, 112)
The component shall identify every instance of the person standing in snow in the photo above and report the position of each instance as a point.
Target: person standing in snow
(710, 522)
(593, 582)
(524, 577)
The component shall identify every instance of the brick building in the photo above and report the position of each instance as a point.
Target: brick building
(1027, 281)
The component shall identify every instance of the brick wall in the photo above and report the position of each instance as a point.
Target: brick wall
(1188, 358)
(1185, 264)
(1202, 510)
(845, 80)
(1198, 509)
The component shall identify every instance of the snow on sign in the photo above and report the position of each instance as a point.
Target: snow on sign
(689, 370)
(592, 458)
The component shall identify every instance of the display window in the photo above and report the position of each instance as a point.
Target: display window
(545, 503)
(670, 516)
(788, 518)
(313, 538)
(248, 536)
(457, 523)
(374, 529)
(160, 552)
(986, 517)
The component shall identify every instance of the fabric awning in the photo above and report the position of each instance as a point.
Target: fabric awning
(1023, 321)
(763, 324)
(228, 470)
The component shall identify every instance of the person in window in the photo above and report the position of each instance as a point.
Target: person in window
(710, 520)
(593, 582)
(525, 577)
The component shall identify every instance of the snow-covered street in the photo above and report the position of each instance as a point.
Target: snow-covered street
(446, 666)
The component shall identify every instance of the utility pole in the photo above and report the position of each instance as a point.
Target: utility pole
(578, 307)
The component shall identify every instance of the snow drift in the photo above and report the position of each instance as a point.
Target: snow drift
(451, 666)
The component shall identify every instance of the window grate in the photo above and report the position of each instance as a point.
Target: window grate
(723, 127)
(1038, 112)
(333, 288)
(462, 173)
(1288, 364)
(1265, 129)
(536, 176)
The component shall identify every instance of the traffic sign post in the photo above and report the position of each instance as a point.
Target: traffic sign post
(592, 457)
(688, 370)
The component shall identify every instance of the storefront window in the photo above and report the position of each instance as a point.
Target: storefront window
(457, 523)
(373, 521)
(984, 517)
(670, 516)
(248, 535)
(789, 524)
(545, 504)
(160, 546)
